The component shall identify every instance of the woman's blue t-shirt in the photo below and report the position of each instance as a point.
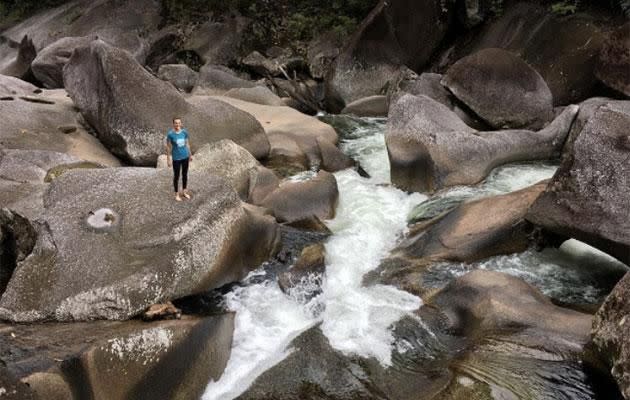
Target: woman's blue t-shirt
(178, 144)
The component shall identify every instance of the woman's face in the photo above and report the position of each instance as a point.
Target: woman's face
(177, 124)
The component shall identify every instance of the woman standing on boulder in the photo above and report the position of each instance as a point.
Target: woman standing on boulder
(179, 155)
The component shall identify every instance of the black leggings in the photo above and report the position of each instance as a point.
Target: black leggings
(177, 165)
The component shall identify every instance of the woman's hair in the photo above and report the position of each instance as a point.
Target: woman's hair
(174, 118)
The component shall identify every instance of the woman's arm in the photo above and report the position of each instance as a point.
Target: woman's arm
(189, 150)
(169, 153)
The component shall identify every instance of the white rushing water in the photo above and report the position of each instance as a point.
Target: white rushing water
(370, 217)
(575, 273)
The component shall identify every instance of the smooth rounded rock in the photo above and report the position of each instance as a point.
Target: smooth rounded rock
(48, 65)
(111, 90)
(430, 148)
(502, 89)
(388, 38)
(155, 250)
(294, 201)
(180, 75)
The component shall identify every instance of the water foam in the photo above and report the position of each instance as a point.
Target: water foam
(370, 218)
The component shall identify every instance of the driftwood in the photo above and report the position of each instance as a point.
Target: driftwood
(300, 92)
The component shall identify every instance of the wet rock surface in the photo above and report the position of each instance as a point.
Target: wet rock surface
(430, 148)
(467, 233)
(310, 266)
(316, 370)
(119, 360)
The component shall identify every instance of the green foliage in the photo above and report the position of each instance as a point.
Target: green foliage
(278, 22)
(565, 7)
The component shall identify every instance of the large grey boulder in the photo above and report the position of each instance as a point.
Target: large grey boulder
(313, 369)
(132, 110)
(611, 334)
(563, 49)
(298, 142)
(613, 62)
(237, 166)
(426, 84)
(501, 89)
(180, 75)
(430, 147)
(48, 65)
(128, 25)
(218, 42)
(294, 201)
(430, 85)
(145, 248)
(587, 198)
(487, 301)
(396, 33)
(120, 360)
(49, 121)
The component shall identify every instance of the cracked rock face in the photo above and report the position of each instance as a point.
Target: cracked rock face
(111, 242)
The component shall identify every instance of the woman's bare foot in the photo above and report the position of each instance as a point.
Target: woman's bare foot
(177, 197)
(186, 194)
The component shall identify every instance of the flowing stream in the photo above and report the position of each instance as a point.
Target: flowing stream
(371, 216)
